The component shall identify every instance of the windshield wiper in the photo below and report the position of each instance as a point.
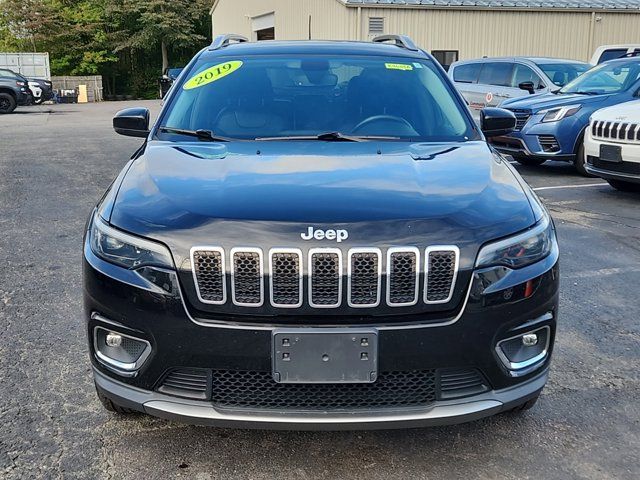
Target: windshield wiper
(586, 92)
(200, 133)
(329, 137)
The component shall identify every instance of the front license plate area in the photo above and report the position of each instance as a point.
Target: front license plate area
(611, 153)
(325, 355)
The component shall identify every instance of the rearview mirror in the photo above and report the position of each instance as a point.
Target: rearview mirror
(495, 122)
(132, 122)
(528, 86)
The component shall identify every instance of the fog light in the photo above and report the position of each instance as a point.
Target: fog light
(122, 353)
(525, 351)
(113, 339)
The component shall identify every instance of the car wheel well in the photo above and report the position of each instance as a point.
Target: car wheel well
(579, 140)
(9, 91)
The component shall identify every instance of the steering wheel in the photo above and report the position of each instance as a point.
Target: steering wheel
(383, 118)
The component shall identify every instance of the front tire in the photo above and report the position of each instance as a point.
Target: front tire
(523, 407)
(581, 161)
(530, 162)
(7, 103)
(110, 406)
(624, 186)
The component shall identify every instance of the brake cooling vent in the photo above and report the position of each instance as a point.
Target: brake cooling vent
(188, 383)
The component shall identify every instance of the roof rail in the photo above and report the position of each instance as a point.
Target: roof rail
(224, 40)
(400, 40)
(635, 53)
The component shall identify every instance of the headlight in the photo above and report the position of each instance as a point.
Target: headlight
(558, 113)
(521, 250)
(126, 250)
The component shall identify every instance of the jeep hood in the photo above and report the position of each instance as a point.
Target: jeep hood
(550, 100)
(268, 193)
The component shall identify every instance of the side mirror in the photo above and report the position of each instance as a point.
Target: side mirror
(495, 122)
(132, 122)
(528, 86)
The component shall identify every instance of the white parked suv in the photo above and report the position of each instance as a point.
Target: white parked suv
(612, 145)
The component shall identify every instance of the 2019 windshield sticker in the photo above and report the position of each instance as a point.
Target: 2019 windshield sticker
(398, 66)
(212, 74)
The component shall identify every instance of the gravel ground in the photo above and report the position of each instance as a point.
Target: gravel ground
(55, 162)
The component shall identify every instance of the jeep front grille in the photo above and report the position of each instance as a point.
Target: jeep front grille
(324, 271)
(624, 132)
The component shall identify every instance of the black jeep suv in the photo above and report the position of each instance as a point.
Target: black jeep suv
(317, 235)
(14, 91)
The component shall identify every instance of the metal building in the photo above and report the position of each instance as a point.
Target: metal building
(451, 29)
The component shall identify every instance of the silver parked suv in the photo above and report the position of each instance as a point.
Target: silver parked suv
(487, 82)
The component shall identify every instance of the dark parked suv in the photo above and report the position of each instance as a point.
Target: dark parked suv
(14, 91)
(317, 235)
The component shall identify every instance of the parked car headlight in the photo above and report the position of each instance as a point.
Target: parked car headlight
(520, 250)
(126, 250)
(558, 113)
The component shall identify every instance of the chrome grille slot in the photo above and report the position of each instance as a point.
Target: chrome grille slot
(621, 131)
(402, 276)
(440, 275)
(209, 272)
(286, 278)
(247, 278)
(364, 277)
(325, 277)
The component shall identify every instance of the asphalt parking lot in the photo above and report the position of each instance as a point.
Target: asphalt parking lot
(55, 163)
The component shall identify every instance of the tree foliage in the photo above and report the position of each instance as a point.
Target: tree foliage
(129, 42)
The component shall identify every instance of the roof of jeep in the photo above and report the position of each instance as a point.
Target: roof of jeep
(302, 47)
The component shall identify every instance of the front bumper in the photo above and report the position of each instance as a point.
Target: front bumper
(200, 413)
(628, 170)
(180, 341)
(541, 141)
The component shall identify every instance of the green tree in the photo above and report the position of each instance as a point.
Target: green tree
(168, 24)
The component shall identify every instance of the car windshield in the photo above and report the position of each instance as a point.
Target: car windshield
(608, 78)
(274, 96)
(563, 73)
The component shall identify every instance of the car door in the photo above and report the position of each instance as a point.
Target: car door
(465, 78)
(494, 83)
(524, 73)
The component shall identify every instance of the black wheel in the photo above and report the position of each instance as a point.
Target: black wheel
(530, 162)
(580, 162)
(523, 407)
(624, 186)
(7, 103)
(110, 406)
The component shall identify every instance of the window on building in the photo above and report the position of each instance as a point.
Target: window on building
(496, 73)
(376, 25)
(522, 73)
(263, 27)
(445, 57)
(467, 73)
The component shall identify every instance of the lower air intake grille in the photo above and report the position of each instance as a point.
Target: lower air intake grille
(441, 272)
(189, 383)
(325, 279)
(549, 143)
(251, 389)
(247, 278)
(402, 277)
(460, 383)
(209, 272)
